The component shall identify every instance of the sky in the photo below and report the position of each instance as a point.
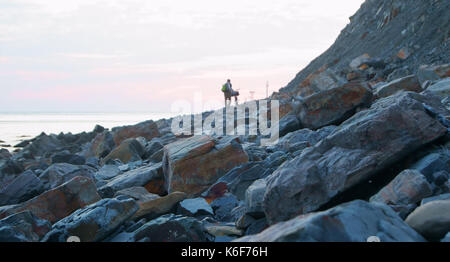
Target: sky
(141, 56)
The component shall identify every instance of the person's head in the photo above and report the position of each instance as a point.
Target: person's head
(228, 80)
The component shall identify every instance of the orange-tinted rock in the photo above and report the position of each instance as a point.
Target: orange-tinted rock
(129, 150)
(333, 106)
(159, 206)
(59, 202)
(321, 80)
(192, 165)
(147, 129)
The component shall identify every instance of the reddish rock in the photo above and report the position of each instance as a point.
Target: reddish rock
(321, 80)
(128, 151)
(333, 106)
(192, 165)
(59, 202)
(147, 129)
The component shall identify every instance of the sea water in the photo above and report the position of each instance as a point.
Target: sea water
(16, 127)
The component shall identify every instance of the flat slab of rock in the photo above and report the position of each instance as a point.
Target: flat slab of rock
(172, 228)
(355, 151)
(408, 83)
(333, 106)
(140, 194)
(159, 206)
(431, 220)
(93, 222)
(355, 221)
(195, 207)
(59, 202)
(193, 164)
(150, 177)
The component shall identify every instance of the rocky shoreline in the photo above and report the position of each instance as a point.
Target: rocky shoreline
(364, 152)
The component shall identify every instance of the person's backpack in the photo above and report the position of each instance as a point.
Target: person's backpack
(224, 88)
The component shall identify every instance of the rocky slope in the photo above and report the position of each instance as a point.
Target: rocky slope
(363, 154)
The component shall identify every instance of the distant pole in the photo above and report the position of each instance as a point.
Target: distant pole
(267, 89)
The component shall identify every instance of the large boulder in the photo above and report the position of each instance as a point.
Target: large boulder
(319, 81)
(333, 106)
(150, 177)
(23, 227)
(159, 206)
(129, 150)
(147, 129)
(172, 228)
(404, 192)
(355, 221)
(363, 145)
(59, 202)
(431, 220)
(409, 83)
(24, 187)
(58, 174)
(107, 172)
(94, 222)
(193, 164)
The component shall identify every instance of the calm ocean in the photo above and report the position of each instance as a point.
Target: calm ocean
(15, 127)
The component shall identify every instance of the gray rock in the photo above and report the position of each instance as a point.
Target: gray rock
(94, 222)
(402, 193)
(137, 177)
(432, 73)
(398, 73)
(58, 174)
(67, 157)
(257, 226)
(157, 157)
(446, 238)
(24, 187)
(172, 228)
(223, 207)
(23, 227)
(287, 124)
(431, 220)
(355, 221)
(433, 163)
(195, 207)
(441, 88)
(107, 172)
(358, 149)
(305, 137)
(154, 146)
(254, 198)
(4, 153)
(434, 198)
(140, 194)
